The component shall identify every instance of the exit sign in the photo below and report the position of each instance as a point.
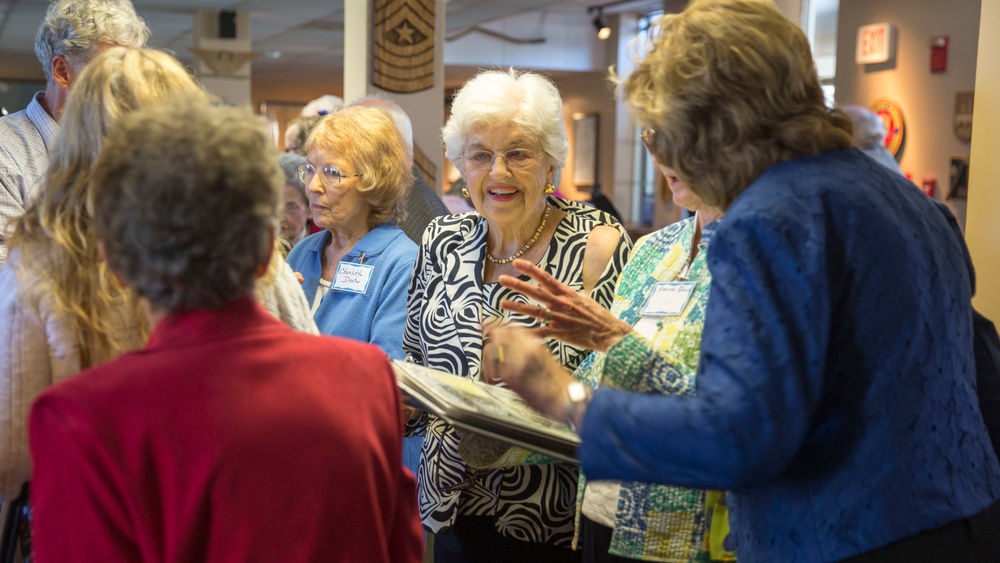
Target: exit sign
(875, 43)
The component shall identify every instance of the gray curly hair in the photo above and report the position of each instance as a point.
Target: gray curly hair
(868, 126)
(185, 199)
(74, 29)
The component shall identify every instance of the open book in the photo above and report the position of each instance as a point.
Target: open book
(485, 409)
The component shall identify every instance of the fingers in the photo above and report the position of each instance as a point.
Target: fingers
(532, 311)
(529, 289)
(543, 278)
(533, 271)
(496, 356)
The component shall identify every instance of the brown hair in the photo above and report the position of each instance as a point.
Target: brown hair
(730, 88)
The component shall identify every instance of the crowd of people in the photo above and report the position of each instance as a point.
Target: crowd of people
(196, 328)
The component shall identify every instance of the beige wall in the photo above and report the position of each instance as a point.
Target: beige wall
(982, 228)
(927, 100)
(589, 93)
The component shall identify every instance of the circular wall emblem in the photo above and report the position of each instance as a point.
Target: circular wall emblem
(892, 116)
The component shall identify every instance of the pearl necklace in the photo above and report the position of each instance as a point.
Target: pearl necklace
(516, 255)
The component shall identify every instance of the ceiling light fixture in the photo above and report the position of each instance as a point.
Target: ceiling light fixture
(602, 27)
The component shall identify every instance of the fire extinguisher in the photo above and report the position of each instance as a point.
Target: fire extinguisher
(929, 186)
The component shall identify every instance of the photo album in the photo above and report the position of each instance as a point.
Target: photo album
(486, 409)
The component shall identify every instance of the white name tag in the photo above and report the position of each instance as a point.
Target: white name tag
(352, 277)
(647, 326)
(669, 298)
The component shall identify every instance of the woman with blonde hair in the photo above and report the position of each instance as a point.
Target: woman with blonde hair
(61, 310)
(357, 269)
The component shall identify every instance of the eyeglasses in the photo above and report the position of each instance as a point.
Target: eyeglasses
(292, 207)
(331, 175)
(514, 159)
(648, 137)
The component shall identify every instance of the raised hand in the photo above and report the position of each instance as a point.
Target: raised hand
(565, 315)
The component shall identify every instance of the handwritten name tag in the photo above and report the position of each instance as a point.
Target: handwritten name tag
(352, 277)
(669, 298)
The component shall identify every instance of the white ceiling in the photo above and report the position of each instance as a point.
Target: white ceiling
(307, 33)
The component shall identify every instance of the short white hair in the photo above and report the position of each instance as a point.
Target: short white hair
(868, 126)
(399, 117)
(323, 105)
(74, 28)
(512, 98)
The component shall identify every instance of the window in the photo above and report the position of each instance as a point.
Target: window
(819, 21)
(644, 173)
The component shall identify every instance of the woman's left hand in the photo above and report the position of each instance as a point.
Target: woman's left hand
(566, 315)
(513, 356)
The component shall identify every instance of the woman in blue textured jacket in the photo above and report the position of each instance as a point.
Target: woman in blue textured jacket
(356, 271)
(835, 390)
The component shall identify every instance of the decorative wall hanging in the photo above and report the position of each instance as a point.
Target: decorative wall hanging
(959, 188)
(426, 166)
(403, 55)
(585, 151)
(890, 113)
(963, 115)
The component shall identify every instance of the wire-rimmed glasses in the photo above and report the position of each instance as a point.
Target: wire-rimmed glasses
(648, 137)
(514, 159)
(330, 174)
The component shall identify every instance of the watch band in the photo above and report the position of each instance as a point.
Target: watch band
(578, 395)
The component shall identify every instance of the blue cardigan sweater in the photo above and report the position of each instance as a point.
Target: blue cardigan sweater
(377, 316)
(835, 391)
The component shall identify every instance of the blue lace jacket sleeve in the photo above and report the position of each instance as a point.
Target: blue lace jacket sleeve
(760, 364)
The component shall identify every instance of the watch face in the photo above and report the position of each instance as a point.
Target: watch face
(576, 391)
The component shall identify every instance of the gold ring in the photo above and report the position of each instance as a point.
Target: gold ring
(548, 317)
(498, 353)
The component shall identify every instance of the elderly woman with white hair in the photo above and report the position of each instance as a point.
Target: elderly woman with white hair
(869, 134)
(507, 137)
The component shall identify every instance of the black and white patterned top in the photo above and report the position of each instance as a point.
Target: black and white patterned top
(448, 306)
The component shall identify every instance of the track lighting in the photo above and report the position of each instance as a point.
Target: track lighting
(602, 27)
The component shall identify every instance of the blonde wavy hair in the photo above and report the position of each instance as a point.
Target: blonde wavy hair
(730, 88)
(367, 138)
(55, 236)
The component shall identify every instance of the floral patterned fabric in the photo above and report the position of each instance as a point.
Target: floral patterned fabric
(657, 522)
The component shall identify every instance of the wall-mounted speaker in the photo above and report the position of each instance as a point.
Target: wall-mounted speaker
(227, 24)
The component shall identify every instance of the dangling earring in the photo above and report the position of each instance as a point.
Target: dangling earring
(549, 188)
(465, 192)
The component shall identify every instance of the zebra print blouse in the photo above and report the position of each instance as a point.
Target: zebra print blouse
(448, 305)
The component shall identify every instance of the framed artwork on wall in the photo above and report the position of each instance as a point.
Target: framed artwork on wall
(959, 184)
(585, 151)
